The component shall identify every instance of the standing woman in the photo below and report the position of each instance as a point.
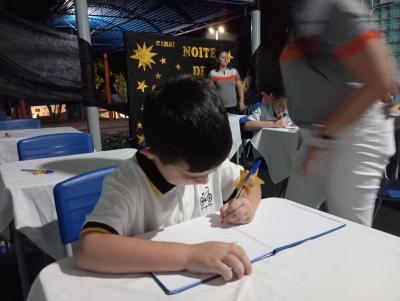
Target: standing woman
(336, 67)
(228, 83)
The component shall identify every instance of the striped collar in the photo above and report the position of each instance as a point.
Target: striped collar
(154, 177)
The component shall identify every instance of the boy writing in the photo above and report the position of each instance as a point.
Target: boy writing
(183, 173)
(269, 115)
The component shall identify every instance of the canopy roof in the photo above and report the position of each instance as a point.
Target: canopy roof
(108, 19)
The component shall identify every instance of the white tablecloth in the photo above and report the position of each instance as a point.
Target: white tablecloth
(28, 199)
(278, 147)
(353, 263)
(9, 139)
(236, 137)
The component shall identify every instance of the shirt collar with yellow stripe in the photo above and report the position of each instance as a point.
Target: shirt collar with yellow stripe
(155, 179)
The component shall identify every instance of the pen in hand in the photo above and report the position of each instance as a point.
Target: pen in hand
(251, 172)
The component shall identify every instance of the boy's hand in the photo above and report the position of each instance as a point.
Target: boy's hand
(281, 123)
(238, 211)
(225, 259)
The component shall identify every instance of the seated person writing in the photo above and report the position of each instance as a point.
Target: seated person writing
(183, 173)
(269, 115)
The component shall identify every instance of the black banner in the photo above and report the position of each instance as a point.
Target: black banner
(153, 58)
(37, 62)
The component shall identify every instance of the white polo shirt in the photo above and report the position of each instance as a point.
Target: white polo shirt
(137, 199)
(265, 112)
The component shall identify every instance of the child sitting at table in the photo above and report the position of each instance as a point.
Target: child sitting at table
(183, 173)
(272, 113)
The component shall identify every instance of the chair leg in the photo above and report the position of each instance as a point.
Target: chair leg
(376, 209)
(21, 260)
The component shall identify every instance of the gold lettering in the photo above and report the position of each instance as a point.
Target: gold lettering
(167, 44)
(199, 70)
(186, 51)
(206, 50)
(195, 52)
(198, 52)
(212, 55)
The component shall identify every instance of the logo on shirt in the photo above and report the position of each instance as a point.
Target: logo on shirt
(206, 199)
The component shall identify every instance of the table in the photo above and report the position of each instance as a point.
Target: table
(236, 137)
(278, 147)
(353, 263)
(9, 140)
(28, 199)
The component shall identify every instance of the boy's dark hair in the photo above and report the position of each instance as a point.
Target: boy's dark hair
(185, 120)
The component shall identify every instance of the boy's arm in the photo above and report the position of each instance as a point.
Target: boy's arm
(253, 125)
(243, 209)
(111, 253)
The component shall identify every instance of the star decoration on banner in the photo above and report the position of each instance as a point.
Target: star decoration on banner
(142, 86)
(153, 87)
(140, 138)
(158, 75)
(139, 125)
(163, 60)
(230, 56)
(144, 56)
(178, 67)
(141, 108)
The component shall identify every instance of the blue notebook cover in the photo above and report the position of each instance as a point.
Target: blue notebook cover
(279, 224)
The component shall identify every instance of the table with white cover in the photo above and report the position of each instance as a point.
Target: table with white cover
(353, 263)
(28, 199)
(277, 146)
(10, 138)
(235, 130)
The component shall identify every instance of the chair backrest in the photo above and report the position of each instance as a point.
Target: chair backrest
(75, 198)
(389, 190)
(18, 124)
(54, 145)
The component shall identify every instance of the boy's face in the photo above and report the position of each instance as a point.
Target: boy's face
(279, 105)
(178, 173)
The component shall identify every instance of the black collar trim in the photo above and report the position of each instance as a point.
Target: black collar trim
(157, 181)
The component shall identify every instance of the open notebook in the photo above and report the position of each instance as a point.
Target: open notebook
(278, 225)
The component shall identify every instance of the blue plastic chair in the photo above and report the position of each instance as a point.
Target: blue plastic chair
(388, 191)
(75, 198)
(18, 124)
(54, 145)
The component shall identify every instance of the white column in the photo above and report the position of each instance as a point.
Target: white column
(255, 29)
(82, 22)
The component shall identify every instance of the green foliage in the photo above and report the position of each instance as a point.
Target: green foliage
(121, 85)
(122, 140)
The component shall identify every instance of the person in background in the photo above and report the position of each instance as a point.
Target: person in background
(114, 90)
(182, 173)
(228, 84)
(270, 114)
(347, 135)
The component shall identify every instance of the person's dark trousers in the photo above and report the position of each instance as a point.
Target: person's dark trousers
(232, 110)
(393, 168)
